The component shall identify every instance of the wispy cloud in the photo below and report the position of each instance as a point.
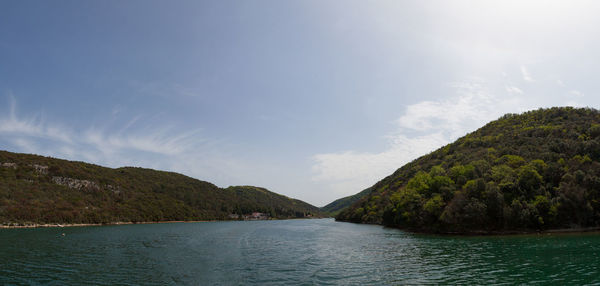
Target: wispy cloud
(576, 93)
(156, 140)
(348, 172)
(135, 142)
(160, 142)
(33, 126)
(526, 74)
(573, 98)
(513, 89)
(160, 147)
(423, 127)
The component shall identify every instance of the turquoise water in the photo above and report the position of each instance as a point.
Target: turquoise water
(291, 252)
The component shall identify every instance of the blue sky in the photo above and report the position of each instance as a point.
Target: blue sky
(312, 99)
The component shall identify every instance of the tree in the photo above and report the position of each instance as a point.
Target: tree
(434, 208)
(474, 188)
(420, 183)
(408, 204)
(442, 185)
(530, 181)
(462, 173)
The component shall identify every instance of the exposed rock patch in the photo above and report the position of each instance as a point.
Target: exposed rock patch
(76, 184)
(9, 165)
(40, 169)
(114, 189)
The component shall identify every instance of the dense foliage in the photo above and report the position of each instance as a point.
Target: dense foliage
(38, 189)
(533, 171)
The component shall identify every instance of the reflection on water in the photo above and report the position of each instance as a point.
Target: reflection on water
(292, 252)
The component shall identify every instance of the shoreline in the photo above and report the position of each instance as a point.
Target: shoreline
(60, 225)
(474, 233)
(515, 232)
(466, 234)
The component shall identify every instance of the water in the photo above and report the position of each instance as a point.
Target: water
(292, 252)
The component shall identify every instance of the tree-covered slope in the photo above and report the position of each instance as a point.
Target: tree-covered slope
(338, 205)
(536, 170)
(40, 189)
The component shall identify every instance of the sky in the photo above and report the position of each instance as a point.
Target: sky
(312, 99)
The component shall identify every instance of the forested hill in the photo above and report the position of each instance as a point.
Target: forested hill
(533, 171)
(36, 189)
(338, 205)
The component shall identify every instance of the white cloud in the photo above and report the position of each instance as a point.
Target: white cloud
(574, 97)
(526, 75)
(576, 93)
(158, 141)
(162, 148)
(424, 127)
(513, 89)
(31, 127)
(24, 144)
(136, 143)
(349, 172)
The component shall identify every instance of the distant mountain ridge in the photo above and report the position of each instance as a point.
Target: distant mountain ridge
(338, 205)
(532, 171)
(37, 189)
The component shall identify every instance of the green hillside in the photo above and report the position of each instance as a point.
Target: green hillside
(533, 171)
(36, 189)
(338, 205)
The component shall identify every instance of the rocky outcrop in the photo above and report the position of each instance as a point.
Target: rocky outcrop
(114, 189)
(76, 183)
(40, 169)
(9, 165)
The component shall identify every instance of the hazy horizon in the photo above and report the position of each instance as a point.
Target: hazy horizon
(315, 100)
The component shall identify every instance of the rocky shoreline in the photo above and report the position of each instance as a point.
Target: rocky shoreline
(42, 225)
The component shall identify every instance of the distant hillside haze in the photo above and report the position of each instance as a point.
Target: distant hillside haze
(36, 189)
(532, 171)
(338, 205)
